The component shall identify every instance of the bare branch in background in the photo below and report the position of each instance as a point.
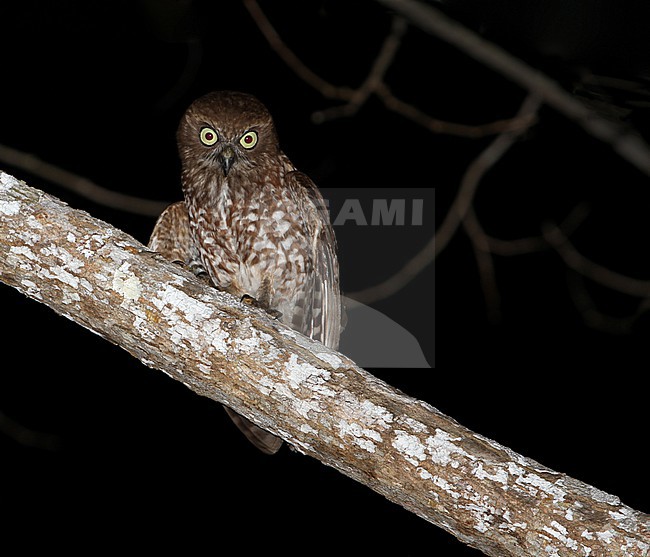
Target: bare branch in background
(592, 316)
(486, 246)
(410, 12)
(593, 271)
(374, 79)
(456, 215)
(290, 59)
(26, 436)
(80, 185)
(625, 142)
(373, 84)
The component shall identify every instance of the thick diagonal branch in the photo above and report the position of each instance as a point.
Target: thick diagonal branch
(316, 399)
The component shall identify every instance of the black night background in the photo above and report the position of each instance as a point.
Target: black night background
(544, 359)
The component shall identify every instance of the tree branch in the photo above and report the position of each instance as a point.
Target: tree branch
(373, 84)
(625, 142)
(80, 185)
(316, 399)
(457, 213)
(598, 273)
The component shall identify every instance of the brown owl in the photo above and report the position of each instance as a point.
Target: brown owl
(252, 222)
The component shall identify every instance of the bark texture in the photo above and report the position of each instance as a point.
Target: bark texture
(316, 399)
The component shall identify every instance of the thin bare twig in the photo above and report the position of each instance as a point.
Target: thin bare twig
(625, 142)
(291, 60)
(410, 112)
(375, 77)
(485, 265)
(457, 212)
(587, 268)
(592, 316)
(475, 172)
(373, 84)
(186, 77)
(486, 246)
(80, 185)
(27, 436)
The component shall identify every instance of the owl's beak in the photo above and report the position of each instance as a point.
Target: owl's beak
(226, 159)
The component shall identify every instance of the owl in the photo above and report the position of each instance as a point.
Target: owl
(252, 223)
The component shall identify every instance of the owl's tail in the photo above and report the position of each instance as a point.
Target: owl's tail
(262, 439)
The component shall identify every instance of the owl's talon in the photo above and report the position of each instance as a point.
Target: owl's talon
(250, 301)
(274, 313)
(197, 271)
(203, 276)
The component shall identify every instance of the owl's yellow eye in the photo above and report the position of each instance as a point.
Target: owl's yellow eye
(248, 140)
(208, 136)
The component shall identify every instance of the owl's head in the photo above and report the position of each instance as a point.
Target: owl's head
(224, 130)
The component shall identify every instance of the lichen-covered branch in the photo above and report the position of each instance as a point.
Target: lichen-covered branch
(316, 399)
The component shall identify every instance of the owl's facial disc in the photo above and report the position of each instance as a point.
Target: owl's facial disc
(226, 159)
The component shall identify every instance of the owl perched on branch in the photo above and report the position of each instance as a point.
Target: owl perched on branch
(252, 222)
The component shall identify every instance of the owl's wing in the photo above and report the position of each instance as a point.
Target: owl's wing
(322, 317)
(172, 238)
